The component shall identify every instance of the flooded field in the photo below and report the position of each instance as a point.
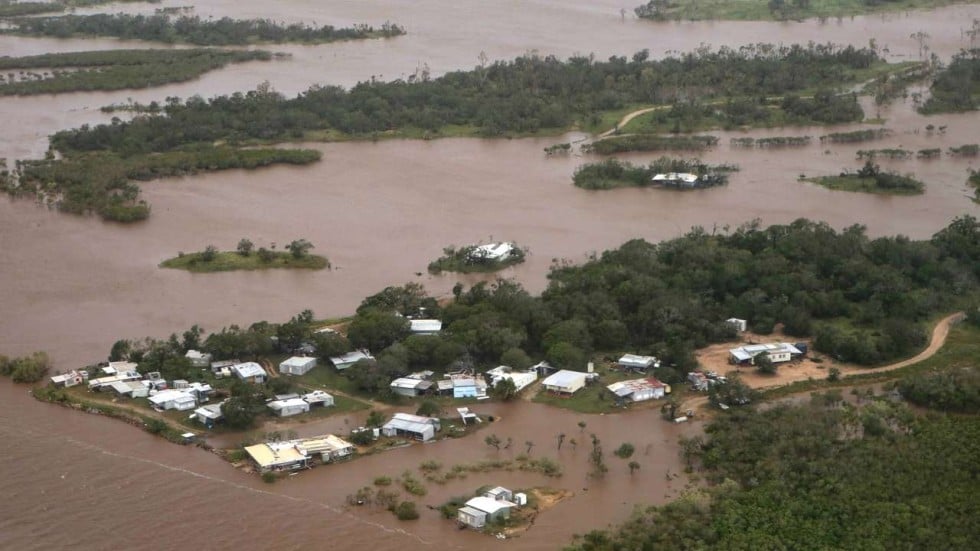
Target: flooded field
(380, 212)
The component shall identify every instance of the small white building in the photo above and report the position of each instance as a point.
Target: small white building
(521, 379)
(777, 352)
(198, 358)
(345, 361)
(180, 400)
(640, 363)
(319, 398)
(250, 372)
(739, 325)
(480, 510)
(209, 415)
(69, 379)
(297, 365)
(425, 327)
(492, 251)
(681, 179)
(407, 386)
(412, 426)
(131, 389)
(639, 390)
(290, 407)
(565, 382)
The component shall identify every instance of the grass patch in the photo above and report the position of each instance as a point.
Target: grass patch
(764, 10)
(855, 183)
(227, 261)
(644, 142)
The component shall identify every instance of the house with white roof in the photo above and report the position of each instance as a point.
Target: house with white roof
(346, 360)
(198, 358)
(492, 252)
(318, 398)
(131, 389)
(425, 327)
(209, 415)
(181, 400)
(492, 506)
(565, 382)
(250, 372)
(638, 363)
(69, 379)
(521, 379)
(408, 386)
(639, 390)
(297, 365)
(412, 426)
(777, 352)
(289, 407)
(105, 382)
(679, 179)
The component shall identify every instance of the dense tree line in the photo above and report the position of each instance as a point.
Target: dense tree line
(14, 8)
(102, 182)
(192, 29)
(113, 69)
(612, 173)
(649, 142)
(528, 94)
(778, 10)
(954, 390)
(28, 369)
(819, 476)
(956, 87)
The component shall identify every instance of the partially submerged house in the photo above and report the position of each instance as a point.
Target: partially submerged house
(777, 352)
(250, 372)
(492, 506)
(412, 426)
(297, 365)
(639, 390)
(209, 415)
(493, 252)
(521, 379)
(298, 454)
(329, 447)
(425, 327)
(638, 363)
(198, 358)
(565, 382)
(69, 379)
(345, 361)
(181, 400)
(289, 407)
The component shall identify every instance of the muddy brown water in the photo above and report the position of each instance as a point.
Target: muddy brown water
(381, 212)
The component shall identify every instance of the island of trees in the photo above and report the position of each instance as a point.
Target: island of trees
(473, 258)
(957, 86)
(774, 10)
(612, 173)
(247, 257)
(191, 29)
(871, 179)
(112, 69)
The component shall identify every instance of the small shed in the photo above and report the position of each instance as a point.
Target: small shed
(290, 407)
(173, 399)
(565, 382)
(319, 398)
(406, 386)
(412, 426)
(499, 493)
(250, 372)
(480, 510)
(297, 365)
(69, 379)
(346, 360)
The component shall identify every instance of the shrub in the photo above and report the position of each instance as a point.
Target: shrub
(406, 511)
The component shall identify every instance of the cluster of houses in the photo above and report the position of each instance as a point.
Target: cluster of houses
(494, 505)
(299, 454)
(123, 379)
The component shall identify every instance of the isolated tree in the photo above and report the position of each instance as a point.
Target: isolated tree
(561, 440)
(509, 442)
(245, 247)
(634, 466)
(833, 374)
(574, 443)
(505, 390)
(210, 253)
(596, 458)
(493, 441)
(625, 451)
(581, 426)
(299, 248)
(375, 419)
(429, 408)
(529, 444)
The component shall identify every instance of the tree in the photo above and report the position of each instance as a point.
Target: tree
(210, 253)
(596, 459)
(625, 451)
(429, 408)
(504, 390)
(561, 440)
(120, 350)
(529, 444)
(634, 466)
(29, 369)
(763, 363)
(299, 248)
(375, 419)
(581, 426)
(245, 247)
(493, 441)
(376, 330)
(406, 511)
(265, 255)
(240, 411)
(573, 443)
(516, 358)
(833, 374)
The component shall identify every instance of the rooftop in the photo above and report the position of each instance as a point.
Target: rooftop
(564, 378)
(271, 454)
(248, 369)
(426, 326)
(625, 388)
(635, 360)
(489, 505)
(752, 350)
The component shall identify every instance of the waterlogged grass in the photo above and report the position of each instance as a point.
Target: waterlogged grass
(227, 261)
(759, 10)
(854, 183)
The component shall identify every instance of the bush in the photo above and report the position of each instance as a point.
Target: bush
(268, 477)
(625, 451)
(406, 511)
(382, 481)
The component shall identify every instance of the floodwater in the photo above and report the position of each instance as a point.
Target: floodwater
(380, 212)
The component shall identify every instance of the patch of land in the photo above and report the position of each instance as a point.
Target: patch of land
(227, 261)
(776, 10)
(894, 185)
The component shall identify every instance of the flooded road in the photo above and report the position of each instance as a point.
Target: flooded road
(380, 212)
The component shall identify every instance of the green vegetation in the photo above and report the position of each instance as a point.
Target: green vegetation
(949, 390)
(612, 173)
(956, 87)
(212, 260)
(776, 141)
(191, 29)
(774, 10)
(406, 511)
(29, 369)
(624, 451)
(646, 142)
(891, 153)
(695, 116)
(14, 8)
(974, 181)
(967, 150)
(887, 87)
(871, 179)
(826, 475)
(469, 260)
(856, 136)
(100, 182)
(412, 485)
(113, 69)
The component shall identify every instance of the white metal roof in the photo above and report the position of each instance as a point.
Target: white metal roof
(638, 361)
(210, 411)
(564, 378)
(489, 505)
(625, 388)
(411, 423)
(405, 382)
(426, 326)
(248, 369)
(686, 177)
(351, 357)
(298, 361)
(493, 251)
(164, 396)
(752, 350)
